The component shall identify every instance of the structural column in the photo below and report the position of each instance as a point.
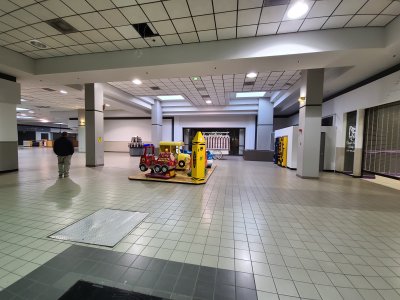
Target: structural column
(311, 93)
(358, 145)
(265, 120)
(156, 124)
(10, 96)
(94, 124)
(81, 130)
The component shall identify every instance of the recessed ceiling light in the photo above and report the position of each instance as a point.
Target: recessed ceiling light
(31, 112)
(108, 105)
(44, 121)
(23, 100)
(208, 101)
(24, 117)
(297, 10)
(195, 78)
(251, 75)
(63, 92)
(136, 81)
(59, 123)
(250, 94)
(37, 44)
(21, 109)
(171, 97)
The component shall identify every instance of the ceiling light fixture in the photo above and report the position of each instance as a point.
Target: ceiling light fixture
(208, 101)
(31, 112)
(44, 121)
(63, 92)
(251, 75)
(297, 10)
(195, 78)
(21, 109)
(23, 100)
(24, 117)
(59, 123)
(37, 44)
(171, 97)
(137, 81)
(108, 105)
(250, 94)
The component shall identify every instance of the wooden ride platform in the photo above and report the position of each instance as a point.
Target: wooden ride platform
(180, 177)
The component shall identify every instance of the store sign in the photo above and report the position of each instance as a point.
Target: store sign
(350, 143)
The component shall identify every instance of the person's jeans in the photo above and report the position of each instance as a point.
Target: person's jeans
(64, 162)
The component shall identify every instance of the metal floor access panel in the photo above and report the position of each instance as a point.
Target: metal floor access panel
(105, 227)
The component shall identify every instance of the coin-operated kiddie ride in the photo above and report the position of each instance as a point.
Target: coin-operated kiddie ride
(176, 148)
(161, 166)
(199, 158)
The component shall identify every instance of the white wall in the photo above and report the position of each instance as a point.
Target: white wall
(382, 91)
(245, 121)
(280, 123)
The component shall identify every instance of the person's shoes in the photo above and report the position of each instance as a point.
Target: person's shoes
(66, 175)
(60, 176)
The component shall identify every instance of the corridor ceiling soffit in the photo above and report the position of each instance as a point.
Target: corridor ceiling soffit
(220, 89)
(106, 26)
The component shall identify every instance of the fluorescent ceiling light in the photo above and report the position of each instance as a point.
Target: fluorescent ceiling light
(59, 123)
(31, 112)
(22, 109)
(251, 75)
(171, 97)
(208, 101)
(250, 94)
(108, 105)
(63, 92)
(297, 10)
(23, 100)
(44, 121)
(136, 81)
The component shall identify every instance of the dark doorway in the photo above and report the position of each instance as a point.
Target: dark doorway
(322, 152)
(26, 136)
(44, 136)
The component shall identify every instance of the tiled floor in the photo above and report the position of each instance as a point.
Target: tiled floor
(335, 238)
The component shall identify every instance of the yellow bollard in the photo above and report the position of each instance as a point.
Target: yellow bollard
(199, 158)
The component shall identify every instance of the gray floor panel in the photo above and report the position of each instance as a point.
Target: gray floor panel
(105, 227)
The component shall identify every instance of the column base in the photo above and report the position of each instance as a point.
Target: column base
(8, 171)
(93, 166)
(307, 177)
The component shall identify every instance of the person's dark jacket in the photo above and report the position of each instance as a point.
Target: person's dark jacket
(63, 147)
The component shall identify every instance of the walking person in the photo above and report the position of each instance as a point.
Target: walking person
(64, 149)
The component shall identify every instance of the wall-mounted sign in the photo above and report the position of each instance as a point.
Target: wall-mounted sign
(350, 142)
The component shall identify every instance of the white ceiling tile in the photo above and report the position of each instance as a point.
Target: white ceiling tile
(177, 8)
(248, 16)
(267, 29)
(189, 37)
(26, 16)
(114, 17)
(374, 7)
(123, 45)
(79, 23)
(122, 3)
(323, 8)
(8, 6)
(26, 46)
(134, 14)
(246, 31)
(336, 22)
(243, 4)
(95, 48)
(206, 36)
(155, 41)
(392, 9)
(111, 34)
(164, 27)
(95, 36)
(203, 7)
(381, 20)
(184, 25)
(273, 14)
(29, 30)
(155, 11)
(108, 46)
(360, 20)
(19, 35)
(227, 19)
(172, 39)
(96, 20)
(10, 20)
(51, 42)
(101, 5)
(138, 43)
(45, 28)
(5, 27)
(59, 8)
(79, 37)
(64, 40)
(313, 24)
(8, 38)
(204, 22)
(349, 7)
(146, 1)
(226, 33)
(41, 12)
(15, 48)
(224, 5)
(128, 32)
(80, 7)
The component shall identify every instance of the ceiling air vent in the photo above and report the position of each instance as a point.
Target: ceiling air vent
(155, 88)
(144, 30)
(268, 3)
(249, 83)
(49, 90)
(201, 89)
(205, 96)
(37, 44)
(62, 26)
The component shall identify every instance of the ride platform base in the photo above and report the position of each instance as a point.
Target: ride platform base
(170, 174)
(180, 177)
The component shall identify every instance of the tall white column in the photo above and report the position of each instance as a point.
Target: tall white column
(357, 164)
(308, 153)
(265, 123)
(94, 124)
(156, 123)
(10, 96)
(81, 131)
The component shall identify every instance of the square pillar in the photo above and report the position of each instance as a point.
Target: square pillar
(309, 141)
(81, 131)
(94, 124)
(156, 124)
(265, 123)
